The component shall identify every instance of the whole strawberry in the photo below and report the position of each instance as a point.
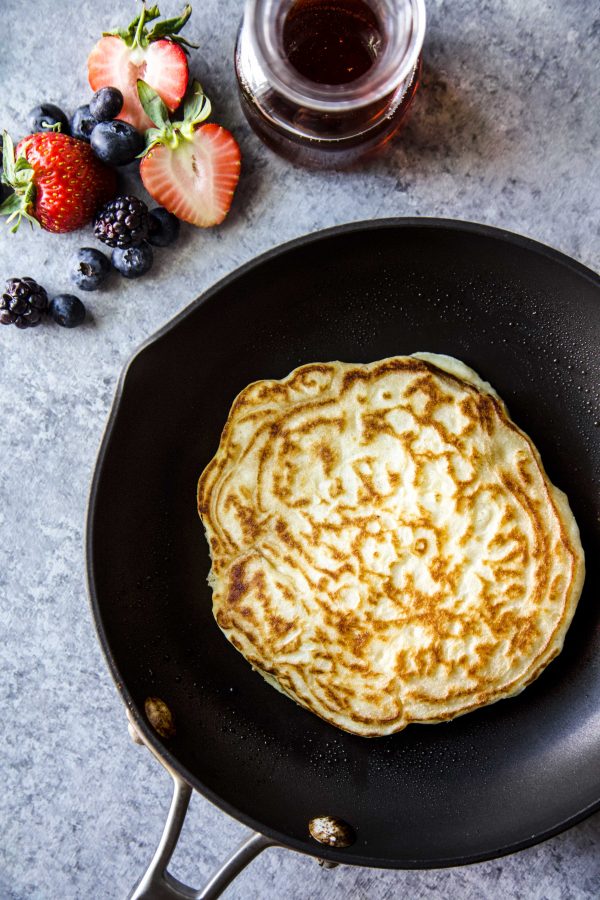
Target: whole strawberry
(58, 183)
(158, 55)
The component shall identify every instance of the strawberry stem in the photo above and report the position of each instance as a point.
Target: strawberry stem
(140, 28)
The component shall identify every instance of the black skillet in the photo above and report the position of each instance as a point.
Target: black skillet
(527, 319)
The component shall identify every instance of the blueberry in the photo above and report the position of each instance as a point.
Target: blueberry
(133, 261)
(106, 104)
(164, 227)
(83, 123)
(116, 143)
(45, 117)
(90, 268)
(67, 310)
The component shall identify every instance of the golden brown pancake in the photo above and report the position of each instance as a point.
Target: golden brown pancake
(386, 545)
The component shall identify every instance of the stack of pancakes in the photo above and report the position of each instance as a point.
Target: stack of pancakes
(386, 546)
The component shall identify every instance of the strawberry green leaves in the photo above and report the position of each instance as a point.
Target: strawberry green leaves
(170, 28)
(133, 34)
(137, 35)
(153, 105)
(197, 108)
(17, 174)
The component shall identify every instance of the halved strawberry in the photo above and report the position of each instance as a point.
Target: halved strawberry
(122, 57)
(190, 169)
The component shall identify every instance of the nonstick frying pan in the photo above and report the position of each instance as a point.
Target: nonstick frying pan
(527, 319)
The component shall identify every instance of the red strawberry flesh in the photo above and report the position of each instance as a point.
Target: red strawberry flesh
(167, 71)
(196, 181)
(163, 65)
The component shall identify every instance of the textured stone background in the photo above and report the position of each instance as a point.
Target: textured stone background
(505, 131)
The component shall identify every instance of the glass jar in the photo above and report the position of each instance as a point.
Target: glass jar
(290, 105)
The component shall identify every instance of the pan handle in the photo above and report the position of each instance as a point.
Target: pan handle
(157, 883)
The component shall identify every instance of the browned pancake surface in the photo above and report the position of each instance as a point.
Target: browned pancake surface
(386, 545)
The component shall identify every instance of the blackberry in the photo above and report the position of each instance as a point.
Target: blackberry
(122, 223)
(23, 303)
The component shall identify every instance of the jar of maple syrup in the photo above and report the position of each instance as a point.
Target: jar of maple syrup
(324, 82)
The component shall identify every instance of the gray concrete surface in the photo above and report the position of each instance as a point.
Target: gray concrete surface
(505, 131)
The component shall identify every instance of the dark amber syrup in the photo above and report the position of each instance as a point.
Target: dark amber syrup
(331, 41)
(333, 44)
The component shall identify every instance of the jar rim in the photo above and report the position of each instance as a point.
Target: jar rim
(264, 20)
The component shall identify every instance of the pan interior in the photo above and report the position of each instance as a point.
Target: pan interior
(527, 320)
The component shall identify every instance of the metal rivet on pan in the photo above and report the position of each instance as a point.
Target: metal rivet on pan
(331, 831)
(159, 716)
(132, 729)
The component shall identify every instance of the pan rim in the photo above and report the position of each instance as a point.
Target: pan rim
(161, 751)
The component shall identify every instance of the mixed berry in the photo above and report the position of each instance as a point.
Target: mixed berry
(83, 123)
(116, 143)
(47, 117)
(67, 310)
(133, 262)
(123, 222)
(23, 303)
(163, 227)
(90, 269)
(106, 104)
(62, 176)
